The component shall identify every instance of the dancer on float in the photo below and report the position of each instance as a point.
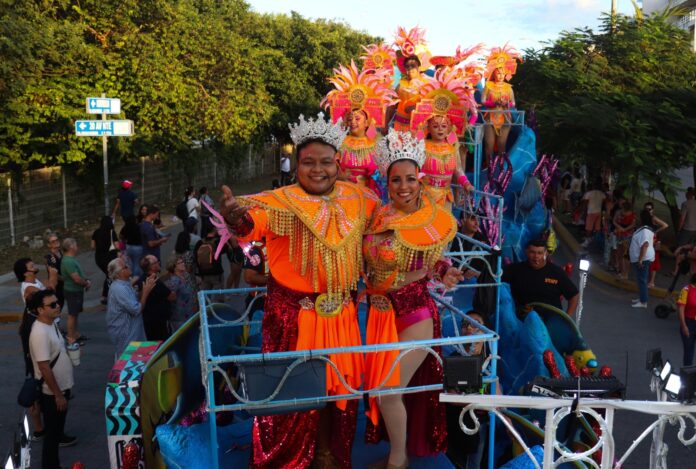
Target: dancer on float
(442, 110)
(313, 231)
(411, 60)
(498, 96)
(360, 99)
(403, 249)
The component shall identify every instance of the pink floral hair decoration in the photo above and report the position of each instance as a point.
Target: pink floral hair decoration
(218, 221)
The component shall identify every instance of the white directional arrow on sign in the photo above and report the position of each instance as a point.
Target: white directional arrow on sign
(103, 105)
(104, 128)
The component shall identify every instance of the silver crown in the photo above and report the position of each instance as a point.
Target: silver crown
(333, 134)
(399, 146)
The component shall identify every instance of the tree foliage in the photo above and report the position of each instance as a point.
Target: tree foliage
(187, 72)
(623, 98)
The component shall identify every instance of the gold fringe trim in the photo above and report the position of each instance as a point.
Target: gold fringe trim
(441, 156)
(307, 251)
(358, 150)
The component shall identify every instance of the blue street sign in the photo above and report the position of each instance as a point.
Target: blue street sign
(103, 105)
(110, 128)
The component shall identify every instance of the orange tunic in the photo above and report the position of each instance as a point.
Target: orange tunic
(314, 246)
(409, 242)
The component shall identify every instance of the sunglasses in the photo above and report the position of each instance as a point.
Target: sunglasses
(52, 304)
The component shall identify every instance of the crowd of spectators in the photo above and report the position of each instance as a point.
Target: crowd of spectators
(610, 221)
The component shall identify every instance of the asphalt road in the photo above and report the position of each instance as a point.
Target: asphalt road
(618, 334)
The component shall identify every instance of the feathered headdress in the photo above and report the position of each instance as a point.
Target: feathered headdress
(367, 91)
(379, 57)
(444, 95)
(411, 42)
(505, 57)
(459, 56)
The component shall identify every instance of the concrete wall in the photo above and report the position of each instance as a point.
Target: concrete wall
(37, 195)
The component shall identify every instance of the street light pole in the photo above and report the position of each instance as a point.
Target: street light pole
(105, 164)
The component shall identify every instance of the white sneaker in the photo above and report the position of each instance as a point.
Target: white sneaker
(639, 305)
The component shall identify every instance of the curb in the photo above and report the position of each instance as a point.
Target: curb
(596, 271)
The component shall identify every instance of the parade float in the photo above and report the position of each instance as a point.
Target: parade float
(190, 401)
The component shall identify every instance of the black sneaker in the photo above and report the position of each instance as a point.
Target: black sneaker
(38, 436)
(67, 440)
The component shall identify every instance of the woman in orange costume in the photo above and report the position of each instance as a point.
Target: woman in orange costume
(360, 99)
(498, 96)
(442, 110)
(313, 233)
(411, 59)
(403, 248)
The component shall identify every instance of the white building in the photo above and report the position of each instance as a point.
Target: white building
(685, 22)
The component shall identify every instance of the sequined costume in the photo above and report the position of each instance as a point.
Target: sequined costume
(395, 245)
(357, 161)
(449, 97)
(498, 96)
(442, 165)
(410, 43)
(314, 258)
(408, 97)
(367, 92)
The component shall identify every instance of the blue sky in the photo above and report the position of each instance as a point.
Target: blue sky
(524, 23)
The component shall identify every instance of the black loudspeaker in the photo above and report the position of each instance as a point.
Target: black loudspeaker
(463, 374)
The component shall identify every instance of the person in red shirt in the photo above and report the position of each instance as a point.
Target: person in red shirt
(687, 319)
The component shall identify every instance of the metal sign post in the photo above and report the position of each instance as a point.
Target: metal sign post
(104, 128)
(105, 164)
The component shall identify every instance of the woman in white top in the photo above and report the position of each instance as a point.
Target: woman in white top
(25, 270)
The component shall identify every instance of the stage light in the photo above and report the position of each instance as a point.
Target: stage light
(653, 360)
(673, 386)
(584, 265)
(666, 370)
(688, 379)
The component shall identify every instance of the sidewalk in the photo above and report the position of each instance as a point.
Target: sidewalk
(573, 235)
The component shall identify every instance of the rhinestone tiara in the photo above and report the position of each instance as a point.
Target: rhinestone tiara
(399, 146)
(332, 134)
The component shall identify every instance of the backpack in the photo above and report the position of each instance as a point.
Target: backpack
(204, 257)
(181, 211)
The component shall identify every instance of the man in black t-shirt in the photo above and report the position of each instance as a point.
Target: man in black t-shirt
(536, 280)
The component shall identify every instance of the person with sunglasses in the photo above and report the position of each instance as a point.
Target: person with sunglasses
(51, 363)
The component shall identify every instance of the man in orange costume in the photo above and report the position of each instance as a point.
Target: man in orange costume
(313, 232)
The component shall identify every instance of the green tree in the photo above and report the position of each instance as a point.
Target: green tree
(622, 98)
(193, 75)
